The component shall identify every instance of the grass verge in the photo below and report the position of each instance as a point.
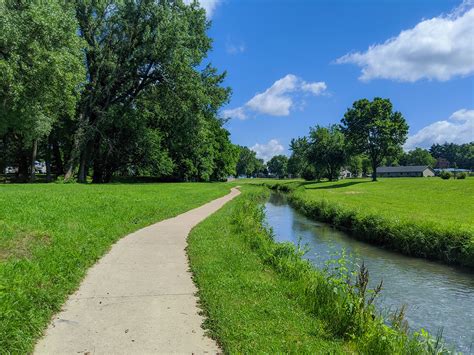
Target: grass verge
(409, 216)
(262, 297)
(50, 234)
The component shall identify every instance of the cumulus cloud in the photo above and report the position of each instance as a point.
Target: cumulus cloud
(436, 49)
(268, 150)
(278, 99)
(208, 5)
(459, 128)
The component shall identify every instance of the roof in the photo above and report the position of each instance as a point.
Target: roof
(403, 169)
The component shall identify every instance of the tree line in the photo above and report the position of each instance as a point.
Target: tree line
(111, 88)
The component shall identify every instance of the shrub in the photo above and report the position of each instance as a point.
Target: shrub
(445, 175)
(461, 175)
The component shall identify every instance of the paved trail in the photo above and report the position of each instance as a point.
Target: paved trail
(139, 298)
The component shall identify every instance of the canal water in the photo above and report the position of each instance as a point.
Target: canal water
(438, 297)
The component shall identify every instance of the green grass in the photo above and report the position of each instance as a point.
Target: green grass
(260, 296)
(50, 234)
(421, 200)
(246, 302)
(425, 217)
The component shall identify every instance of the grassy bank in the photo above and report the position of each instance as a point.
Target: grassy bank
(51, 234)
(262, 297)
(430, 218)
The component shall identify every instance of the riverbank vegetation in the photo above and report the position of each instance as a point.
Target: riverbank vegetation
(52, 233)
(430, 218)
(261, 296)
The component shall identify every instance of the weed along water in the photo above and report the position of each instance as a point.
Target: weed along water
(438, 297)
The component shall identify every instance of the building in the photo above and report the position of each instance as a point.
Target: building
(405, 171)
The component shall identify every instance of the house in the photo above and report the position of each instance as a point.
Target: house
(405, 171)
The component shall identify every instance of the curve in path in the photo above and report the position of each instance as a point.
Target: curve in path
(139, 298)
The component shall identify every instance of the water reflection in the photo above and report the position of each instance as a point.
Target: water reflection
(438, 296)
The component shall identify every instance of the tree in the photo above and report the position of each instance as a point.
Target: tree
(354, 165)
(462, 155)
(278, 166)
(298, 160)
(327, 150)
(418, 156)
(373, 128)
(131, 46)
(41, 67)
(247, 164)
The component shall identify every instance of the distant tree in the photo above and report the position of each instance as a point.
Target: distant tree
(371, 127)
(278, 165)
(327, 150)
(418, 156)
(354, 165)
(247, 164)
(462, 155)
(298, 160)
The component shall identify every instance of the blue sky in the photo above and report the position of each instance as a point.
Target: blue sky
(294, 64)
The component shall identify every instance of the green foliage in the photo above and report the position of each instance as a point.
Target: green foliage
(445, 175)
(373, 128)
(459, 155)
(248, 164)
(278, 166)
(462, 175)
(327, 150)
(261, 296)
(418, 156)
(148, 102)
(298, 161)
(51, 234)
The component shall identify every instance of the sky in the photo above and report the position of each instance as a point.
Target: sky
(294, 64)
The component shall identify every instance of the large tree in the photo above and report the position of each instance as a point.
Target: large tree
(131, 46)
(41, 68)
(298, 161)
(373, 128)
(327, 150)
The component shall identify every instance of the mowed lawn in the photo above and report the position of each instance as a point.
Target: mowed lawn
(448, 203)
(50, 234)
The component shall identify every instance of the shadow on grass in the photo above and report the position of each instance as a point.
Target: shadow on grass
(333, 185)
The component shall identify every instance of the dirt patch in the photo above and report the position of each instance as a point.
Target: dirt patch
(23, 245)
(352, 192)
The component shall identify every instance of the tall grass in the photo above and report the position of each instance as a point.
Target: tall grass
(337, 295)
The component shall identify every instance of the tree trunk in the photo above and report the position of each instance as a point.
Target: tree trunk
(374, 171)
(73, 159)
(58, 161)
(48, 160)
(34, 151)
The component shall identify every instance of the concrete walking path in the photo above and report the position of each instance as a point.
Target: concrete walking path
(139, 298)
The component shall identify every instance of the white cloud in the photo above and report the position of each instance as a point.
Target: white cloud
(234, 48)
(208, 5)
(439, 48)
(278, 99)
(268, 150)
(238, 113)
(458, 129)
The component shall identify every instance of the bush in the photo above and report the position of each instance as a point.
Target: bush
(461, 175)
(445, 175)
(310, 173)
